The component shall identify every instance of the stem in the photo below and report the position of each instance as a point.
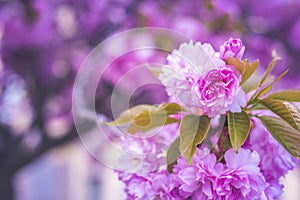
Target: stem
(254, 115)
(221, 157)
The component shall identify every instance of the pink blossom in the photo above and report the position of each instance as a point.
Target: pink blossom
(140, 154)
(185, 66)
(273, 190)
(194, 59)
(232, 48)
(198, 181)
(239, 178)
(216, 91)
(242, 179)
(153, 185)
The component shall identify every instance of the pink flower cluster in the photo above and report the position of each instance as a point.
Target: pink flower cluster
(141, 154)
(239, 178)
(152, 185)
(252, 173)
(144, 153)
(197, 76)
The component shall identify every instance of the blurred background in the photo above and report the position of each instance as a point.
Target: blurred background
(43, 44)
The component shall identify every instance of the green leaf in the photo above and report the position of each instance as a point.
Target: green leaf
(244, 67)
(270, 67)
(259, 93)
(250, 68)
(258, 107)
(173, 154)
(279, 77)
(239, 128)
(157, 116)
(127, 116)
(144, 124)
(193, 130)
(287, 95)
(287, 136)
(145, 117)
(171, 108)
(237, 63)
(266, 89)
(251, 83)
(155, 70)
(284, 110)
(224, 141)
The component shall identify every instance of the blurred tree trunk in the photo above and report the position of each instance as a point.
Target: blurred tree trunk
(6, 187)
(13, 157)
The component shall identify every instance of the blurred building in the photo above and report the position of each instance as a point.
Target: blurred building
(67, 173)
